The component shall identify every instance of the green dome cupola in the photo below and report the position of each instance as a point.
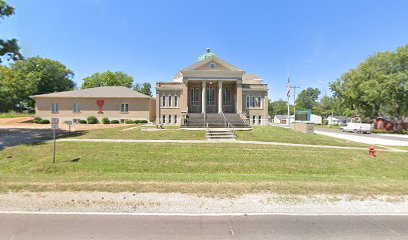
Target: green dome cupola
(206, 55)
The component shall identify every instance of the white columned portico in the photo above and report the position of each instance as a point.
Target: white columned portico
(219, 96)
(203, 97)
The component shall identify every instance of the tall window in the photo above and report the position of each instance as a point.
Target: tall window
(253, 101)
(210, 97)
(175, 101)
(124, 108)
(169, 101)
(227, 96)
(194, 96)
(253, 119)
(175, 119)
(259, 101)
(169, 119)
(55, 107)
(164, 119)
(77, 108)
(163, 101)
(248, 104)
(259, 120)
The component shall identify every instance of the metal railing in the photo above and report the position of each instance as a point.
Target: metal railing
(246, 120)
(227, 123)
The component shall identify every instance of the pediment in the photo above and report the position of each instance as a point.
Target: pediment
(212, 63)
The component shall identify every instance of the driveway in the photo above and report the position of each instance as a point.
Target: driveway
(375, 139)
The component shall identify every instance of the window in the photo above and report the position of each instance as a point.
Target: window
(77, 108)
(194, 96)
(169, 119)
(259, 120)
(210, 97)
(175, 101)
(259, 101)
(55, 108)
(227, 96)
(248, 102)
(124, 108)
(253, 101)
(253, 119)
(164, 101)
(164, 119)
(169, 101)
(175, 118)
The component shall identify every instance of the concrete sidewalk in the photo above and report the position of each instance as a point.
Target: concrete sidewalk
(365, 139)
(218, 141)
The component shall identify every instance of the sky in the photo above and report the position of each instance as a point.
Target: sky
(151, 40)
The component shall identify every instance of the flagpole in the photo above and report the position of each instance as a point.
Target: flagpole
(288, 97)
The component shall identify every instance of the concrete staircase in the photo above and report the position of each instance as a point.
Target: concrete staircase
(215, 120)
(220, 134)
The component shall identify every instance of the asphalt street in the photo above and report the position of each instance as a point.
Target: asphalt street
(376, 136)
(66, 226)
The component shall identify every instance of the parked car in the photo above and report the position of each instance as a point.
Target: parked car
(357, 128)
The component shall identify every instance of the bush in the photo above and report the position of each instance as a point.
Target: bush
(128, 121)
(115, 122)
(139, 121)
(82, 121)
(92, 120)
(44, 121)
(105, 120)
(325, 122)
(37, 120)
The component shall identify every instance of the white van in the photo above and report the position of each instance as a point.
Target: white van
(357, 128)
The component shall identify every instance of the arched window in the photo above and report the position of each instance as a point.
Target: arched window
(163, 101)
(175, 101)
(259, 101)
(253, 101)
(169, 101)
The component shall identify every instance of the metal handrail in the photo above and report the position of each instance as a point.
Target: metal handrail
(246, 120)
(227, 124)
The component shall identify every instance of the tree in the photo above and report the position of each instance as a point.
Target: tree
(145, 88)
(54, 76)
(16, 88)
(8, 48)
(377, 86)
(307, 99)
(279, 107)
(108, 79)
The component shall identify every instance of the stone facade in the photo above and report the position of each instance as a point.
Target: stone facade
(212, 86)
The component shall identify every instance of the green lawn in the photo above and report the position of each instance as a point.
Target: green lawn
(201, 168)
(143, 132)
(14, 115)
(279, 134)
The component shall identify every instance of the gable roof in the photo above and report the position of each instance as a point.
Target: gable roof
(210, 59)
(98, 92)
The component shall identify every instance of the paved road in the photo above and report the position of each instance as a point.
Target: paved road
(382, 139)
(26, 226)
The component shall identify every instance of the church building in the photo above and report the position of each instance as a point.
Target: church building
(212, 93)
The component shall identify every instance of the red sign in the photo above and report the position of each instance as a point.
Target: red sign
(100, 105)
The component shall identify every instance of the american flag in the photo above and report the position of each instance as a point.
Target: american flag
(288, 85)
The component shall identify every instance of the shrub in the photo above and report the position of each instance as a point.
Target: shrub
(115, 122)
(82, 121)
(37, 120)
(92, 120)
(44, 121)
(325, 122)
(105, 120)
(128, 121)
(136, 121)
(143, 121)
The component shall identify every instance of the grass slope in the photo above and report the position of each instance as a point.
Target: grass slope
(203, 168)
(286, 135)
(146, 133)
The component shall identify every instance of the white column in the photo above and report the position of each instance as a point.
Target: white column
(203, 98)
(219, 96)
